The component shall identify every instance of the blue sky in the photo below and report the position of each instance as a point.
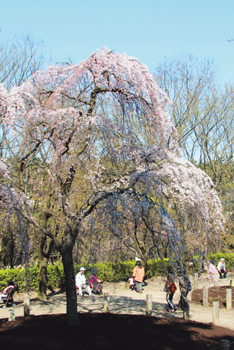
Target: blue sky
(146, 29)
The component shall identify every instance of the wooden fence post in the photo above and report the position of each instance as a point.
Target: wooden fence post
(148, 305)
(11, 315)
(26, 305)
(195, 281)
(205, 296)
(106, 302)
(186, 309)
(215, 312)
(228, 298)
(224, 344)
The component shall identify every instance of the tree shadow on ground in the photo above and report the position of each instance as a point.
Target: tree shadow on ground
(109, 331)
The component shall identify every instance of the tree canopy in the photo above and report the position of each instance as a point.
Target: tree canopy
(99, 132)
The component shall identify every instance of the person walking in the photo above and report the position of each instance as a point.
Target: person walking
(138, 274)
(213, 274)
(185, 287)
(170, 289)
(222, 268)
(81, 282)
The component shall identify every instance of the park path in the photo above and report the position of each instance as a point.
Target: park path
(123, 301)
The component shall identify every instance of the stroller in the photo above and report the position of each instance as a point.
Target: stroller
(7, 294)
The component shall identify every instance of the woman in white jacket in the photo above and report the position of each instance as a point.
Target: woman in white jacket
(81, 282)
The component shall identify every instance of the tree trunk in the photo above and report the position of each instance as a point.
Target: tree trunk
(42, 279)
(43, 258)
(72, 315)
(12, 248)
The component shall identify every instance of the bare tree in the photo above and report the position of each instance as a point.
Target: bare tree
(19, 59)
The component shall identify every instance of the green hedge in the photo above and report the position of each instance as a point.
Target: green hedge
(28, 278)
(115, 272)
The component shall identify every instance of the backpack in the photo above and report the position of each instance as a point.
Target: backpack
(173, 288)
(189, 286)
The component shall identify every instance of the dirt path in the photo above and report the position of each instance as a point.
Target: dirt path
(123, 301)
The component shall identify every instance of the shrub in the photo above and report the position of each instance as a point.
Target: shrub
(28, 278)
(56, 277)
(155, 267)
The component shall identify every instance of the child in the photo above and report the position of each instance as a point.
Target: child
(132, 283)
(170, 289)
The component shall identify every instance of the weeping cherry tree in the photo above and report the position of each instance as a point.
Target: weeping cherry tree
(97, 130)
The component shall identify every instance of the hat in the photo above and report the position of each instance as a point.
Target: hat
(213, 261)
(222, 259)
(82, 269)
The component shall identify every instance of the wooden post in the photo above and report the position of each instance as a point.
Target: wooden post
(228, 298)
(215, 312)
(11, 315)
(106, 302)
(148, 305)
(195, 281)
(186, 309)
(231, 283)
(26, 305)
(224, 344)
(205, 296)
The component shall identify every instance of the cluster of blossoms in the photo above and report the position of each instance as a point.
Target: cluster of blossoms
(189, 185)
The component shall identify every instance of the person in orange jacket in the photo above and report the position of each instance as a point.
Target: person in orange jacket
(138, 274)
